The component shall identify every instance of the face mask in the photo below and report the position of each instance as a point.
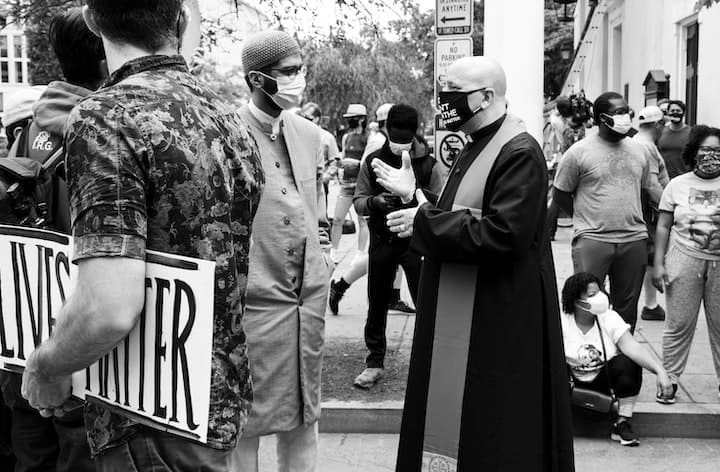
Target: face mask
(676, 117)
(707, 166)
(397, 148)
(620, 124)
(597, 304)
(454, 109)
(288, 92)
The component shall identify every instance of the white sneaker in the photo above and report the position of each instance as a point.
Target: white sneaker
(369, 377)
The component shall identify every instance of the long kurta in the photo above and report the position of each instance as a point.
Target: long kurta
(516, 409)
(287, 281)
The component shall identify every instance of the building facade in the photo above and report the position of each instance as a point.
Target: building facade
(13, 57)
(621, 42)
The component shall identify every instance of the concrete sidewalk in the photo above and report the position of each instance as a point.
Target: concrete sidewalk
(696, 413)
(377, 453)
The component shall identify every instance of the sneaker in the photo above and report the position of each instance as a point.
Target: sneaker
(653, 314)
(401, 306)
(623, 433)
(335, 297)
(667, 400)
(369, 377)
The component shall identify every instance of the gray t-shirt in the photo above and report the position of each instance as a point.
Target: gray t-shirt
(606, 179)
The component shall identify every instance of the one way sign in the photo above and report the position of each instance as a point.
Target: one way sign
(453, 17)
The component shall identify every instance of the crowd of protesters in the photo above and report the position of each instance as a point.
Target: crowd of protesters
(644, 203)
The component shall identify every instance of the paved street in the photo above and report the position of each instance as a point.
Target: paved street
(377, 452)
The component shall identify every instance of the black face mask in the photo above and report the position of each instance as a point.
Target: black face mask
(454, 108)
(676, 117)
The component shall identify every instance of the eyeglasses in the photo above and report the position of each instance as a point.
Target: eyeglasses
(705, 150)
(291, 72)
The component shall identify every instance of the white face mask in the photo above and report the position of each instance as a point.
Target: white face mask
(597, 304)
(621, 123)
(397, 148)
(289, 91)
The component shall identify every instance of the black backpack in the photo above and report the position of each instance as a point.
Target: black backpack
(33, 191)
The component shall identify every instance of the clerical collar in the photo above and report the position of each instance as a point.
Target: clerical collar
(271, 123)
(492, 128)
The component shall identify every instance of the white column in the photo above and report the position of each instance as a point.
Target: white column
(191, 38)
(515, 36)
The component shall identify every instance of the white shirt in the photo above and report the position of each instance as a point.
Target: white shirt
(584, 352)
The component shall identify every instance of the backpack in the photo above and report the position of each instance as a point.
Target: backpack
(33, 191)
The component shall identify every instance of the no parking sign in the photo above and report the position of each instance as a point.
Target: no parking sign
(448, 144)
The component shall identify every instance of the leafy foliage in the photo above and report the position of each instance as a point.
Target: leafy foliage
(36, 15)
(558, 36)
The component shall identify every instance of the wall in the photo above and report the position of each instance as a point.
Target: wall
(709, 67)
(653, 37)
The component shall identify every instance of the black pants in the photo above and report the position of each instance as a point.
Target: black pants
(382, 265)
(623, 263)
(625, 376)
(45, 444)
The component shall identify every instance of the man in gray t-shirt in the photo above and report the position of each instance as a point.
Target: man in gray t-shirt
(600, 181)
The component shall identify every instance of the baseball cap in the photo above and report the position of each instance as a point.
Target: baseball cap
(381, 113)
(651, 114)
(355, 109)
(18, 105)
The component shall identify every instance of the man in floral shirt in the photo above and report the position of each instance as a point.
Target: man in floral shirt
(155, 161)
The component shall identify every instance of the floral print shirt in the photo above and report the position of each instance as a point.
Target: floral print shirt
(157, 161)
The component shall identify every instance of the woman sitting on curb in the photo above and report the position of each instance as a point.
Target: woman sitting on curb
(586, 306)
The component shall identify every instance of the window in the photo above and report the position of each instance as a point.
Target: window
(13, 59)
(19, 76)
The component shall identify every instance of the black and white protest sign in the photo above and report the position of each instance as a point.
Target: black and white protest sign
(160, 374)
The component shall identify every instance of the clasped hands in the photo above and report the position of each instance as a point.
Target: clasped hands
(400, 182)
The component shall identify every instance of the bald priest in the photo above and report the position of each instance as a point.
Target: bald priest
(488, 387)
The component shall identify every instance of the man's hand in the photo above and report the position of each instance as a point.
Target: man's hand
(48, 394)
(385, 201)
(400, 181)
(402, 221)
(660, 278)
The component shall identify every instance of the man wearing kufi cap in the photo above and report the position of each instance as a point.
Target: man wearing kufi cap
(651, 121)
(289, 272)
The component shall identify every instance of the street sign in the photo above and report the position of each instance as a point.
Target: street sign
(453, 17)
(447, 51)
(448, 144)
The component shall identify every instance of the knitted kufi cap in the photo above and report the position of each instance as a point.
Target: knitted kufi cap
(266, 48)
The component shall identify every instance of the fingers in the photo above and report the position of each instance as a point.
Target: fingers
(406, 160)
(386, 184)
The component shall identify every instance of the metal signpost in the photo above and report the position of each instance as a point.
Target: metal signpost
(453, 26)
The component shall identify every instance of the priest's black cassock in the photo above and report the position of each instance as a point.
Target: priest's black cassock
(515, 413)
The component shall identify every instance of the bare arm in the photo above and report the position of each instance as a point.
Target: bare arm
(642, 357)
(101, 312)
(662, 236)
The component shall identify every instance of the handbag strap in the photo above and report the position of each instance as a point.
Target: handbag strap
(607, 366)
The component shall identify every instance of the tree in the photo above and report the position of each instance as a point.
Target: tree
(36, 16)
(558, 36)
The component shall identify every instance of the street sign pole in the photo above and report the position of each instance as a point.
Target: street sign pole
(453, 26)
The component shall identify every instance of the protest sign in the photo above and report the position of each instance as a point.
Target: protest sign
(160, 374)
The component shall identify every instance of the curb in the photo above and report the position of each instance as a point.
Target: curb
(682, 420)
